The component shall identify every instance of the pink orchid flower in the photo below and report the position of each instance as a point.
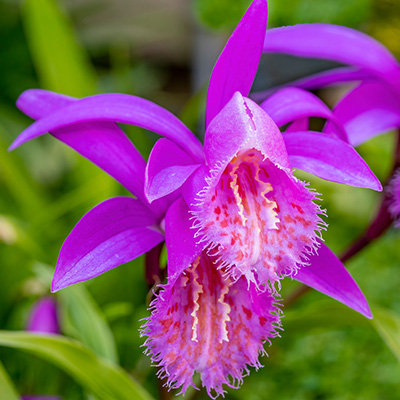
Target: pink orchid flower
(234, 217)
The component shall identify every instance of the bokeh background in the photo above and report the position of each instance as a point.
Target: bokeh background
(164, 50)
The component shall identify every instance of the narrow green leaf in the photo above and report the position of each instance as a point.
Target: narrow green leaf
(83, 319)
(61, 63)
(387, 324)
(7, 389)
(17, 180)
(104, 379)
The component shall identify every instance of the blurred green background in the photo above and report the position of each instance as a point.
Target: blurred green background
(164, 51)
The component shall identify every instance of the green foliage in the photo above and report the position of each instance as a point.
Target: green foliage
(45, 189)
(220, 14)
(105, 380)
(342, 12)
(387, 324)
(7, 389)
(61, 63)
(83, 319)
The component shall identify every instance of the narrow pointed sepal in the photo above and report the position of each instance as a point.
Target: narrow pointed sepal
(327, 274)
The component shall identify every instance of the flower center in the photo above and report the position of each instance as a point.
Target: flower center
(249, 184)
(258, 219)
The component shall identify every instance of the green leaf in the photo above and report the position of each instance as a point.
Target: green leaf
(324, 314)
(219, 14)
(387, 324)
(104, 379)
(7, 389)
(17, 180)
(81, 316)
(83, 319)
(61, 63)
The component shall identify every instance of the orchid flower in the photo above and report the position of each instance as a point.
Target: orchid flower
(370, 108)
(234, 217)
(44, 317)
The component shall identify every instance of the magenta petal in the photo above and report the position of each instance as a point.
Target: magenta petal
(328, 275)
(167, 169)
(117, 108)
(237, 65)
(367, 111)
(103, 143)
(301, 124)
(43, 317)
(293, 103)
(319, 80)
(242, 124)
(113, 233)
(182, 245)
(336, 43)
(194, 185)
(258, 218)
(329, 158)
(37, 103)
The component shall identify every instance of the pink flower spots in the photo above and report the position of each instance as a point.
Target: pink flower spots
(204, 322)
(254, 215)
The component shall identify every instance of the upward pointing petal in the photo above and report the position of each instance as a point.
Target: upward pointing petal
(237, 65)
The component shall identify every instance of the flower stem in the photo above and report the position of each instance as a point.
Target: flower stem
(154, 275)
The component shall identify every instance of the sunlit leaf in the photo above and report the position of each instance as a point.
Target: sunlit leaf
(104, 379)
(84, 320)
(387, 324)
(61, 63)
(7, 389)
